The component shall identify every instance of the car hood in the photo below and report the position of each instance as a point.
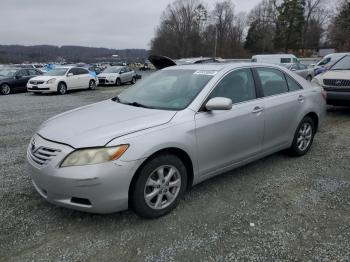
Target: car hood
(108, 75)
(97, 124)
(336, 74)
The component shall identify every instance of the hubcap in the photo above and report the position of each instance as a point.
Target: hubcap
(5, 89)
(304, 136)
(92, 85)
(162, 187)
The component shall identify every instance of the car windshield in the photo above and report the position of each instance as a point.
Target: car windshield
(7, 72)
(342, 64)
(112, 69)
(168, 89)
(56, 72)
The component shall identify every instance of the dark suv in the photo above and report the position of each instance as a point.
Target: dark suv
(15, 79)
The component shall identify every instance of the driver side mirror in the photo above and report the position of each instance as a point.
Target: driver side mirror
(219, 103)
(70, 74)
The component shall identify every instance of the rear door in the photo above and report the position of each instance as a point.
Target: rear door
(282, 107)
(21, 80)
(84, 77)
(123, 75)
(228, 137)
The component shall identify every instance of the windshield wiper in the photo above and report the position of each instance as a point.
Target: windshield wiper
(136, 104)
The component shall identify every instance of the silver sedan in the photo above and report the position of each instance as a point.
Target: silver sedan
(182, 125)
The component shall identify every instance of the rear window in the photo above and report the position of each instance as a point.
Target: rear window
(286, 60)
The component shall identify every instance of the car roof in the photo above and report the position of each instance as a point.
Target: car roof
(221, 66)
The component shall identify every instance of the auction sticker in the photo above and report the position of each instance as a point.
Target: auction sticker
(205, 72)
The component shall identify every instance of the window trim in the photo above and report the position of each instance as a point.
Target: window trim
(257, 91)
(284, 74)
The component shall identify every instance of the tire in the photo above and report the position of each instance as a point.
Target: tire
(163, 193)
(303, 138)
(133, 80)
(5, 89)
(309, 78)
(118, 82)
(92, 85)
(62, 88)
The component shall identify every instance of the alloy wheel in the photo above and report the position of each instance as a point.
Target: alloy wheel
(162, 187)
(304, 136)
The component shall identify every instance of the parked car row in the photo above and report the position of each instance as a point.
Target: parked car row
(60, 79)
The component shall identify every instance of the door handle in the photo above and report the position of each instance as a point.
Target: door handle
(257, 110)
(301, 98)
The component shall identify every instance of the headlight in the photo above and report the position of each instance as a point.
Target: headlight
(51, 81)
(92, 156)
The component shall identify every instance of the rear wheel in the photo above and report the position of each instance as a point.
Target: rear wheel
(159, 186)
(303, 137)
(92, 85)
(62, 88)
(5, 89)
(133, 80)
(309, 78)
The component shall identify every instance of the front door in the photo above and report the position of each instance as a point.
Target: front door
(228, 137)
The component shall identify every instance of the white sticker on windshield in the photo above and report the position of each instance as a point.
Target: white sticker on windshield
(205, 72)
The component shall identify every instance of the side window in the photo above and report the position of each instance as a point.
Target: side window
(293, 86)
(273, 81)
(83, 71)
(122, 71)
(286, 60)
(74, 71)
(238, 85)
(32, 72)
(22, 73)
(324, 61)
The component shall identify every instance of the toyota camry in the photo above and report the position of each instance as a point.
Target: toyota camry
(182, 125)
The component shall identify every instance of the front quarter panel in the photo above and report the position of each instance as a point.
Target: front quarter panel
(178, 133)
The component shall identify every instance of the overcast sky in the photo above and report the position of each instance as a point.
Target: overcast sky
(98, 23)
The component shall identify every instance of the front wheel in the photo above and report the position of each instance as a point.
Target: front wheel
(62, 89)
(5, 89)
(118, 82)
(309, 78)
(303, 137)
(159, 186)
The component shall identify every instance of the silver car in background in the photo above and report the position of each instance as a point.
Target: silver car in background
(182, 125)
(117, 75)
(302, 70)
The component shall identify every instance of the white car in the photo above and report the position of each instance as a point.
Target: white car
(336, 82)
(275, 59)
(117, 75)
(62, 79)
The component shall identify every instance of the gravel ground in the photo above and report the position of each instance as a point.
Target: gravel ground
(278, 208)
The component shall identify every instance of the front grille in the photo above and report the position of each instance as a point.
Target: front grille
(337, 82)
(101, 80)
(42, 155)
(33, 82)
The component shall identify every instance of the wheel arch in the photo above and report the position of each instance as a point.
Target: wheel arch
(314, 118)
(180, 153)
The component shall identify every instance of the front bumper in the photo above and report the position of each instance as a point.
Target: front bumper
(102, 188)
(106, 81)
(340, 98)
(42, 88)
